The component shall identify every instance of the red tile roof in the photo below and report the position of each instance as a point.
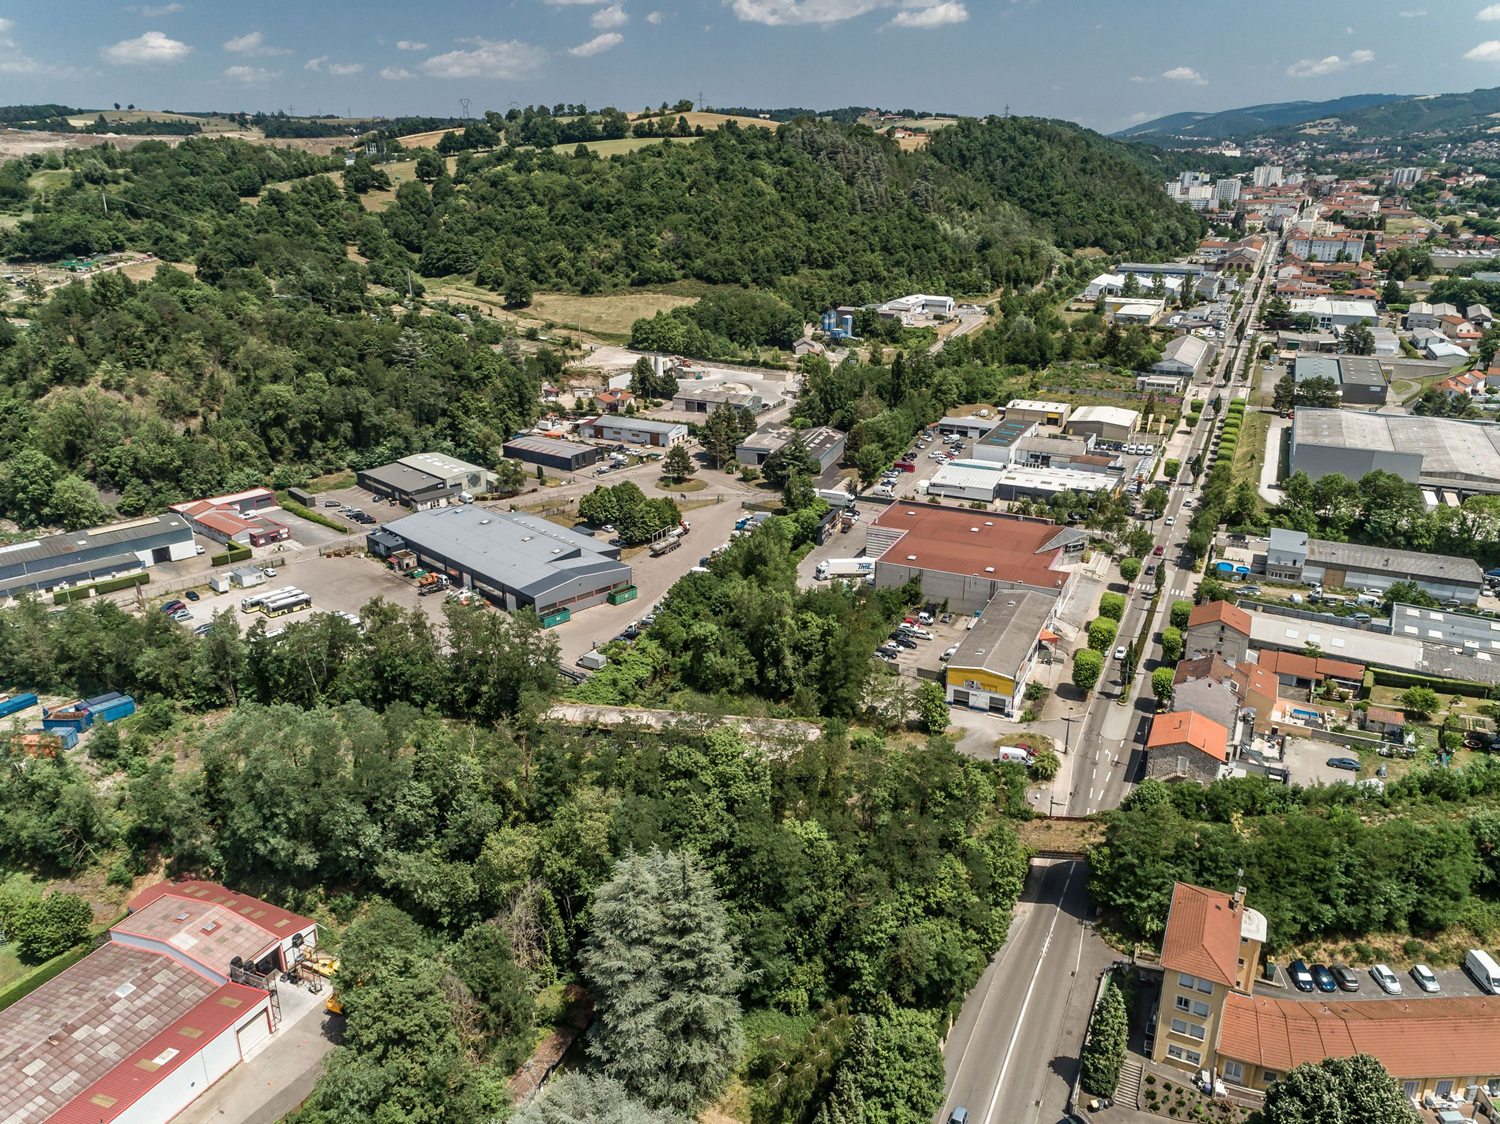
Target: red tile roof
(138, 1072)
(1305, 667)
(1188, 727)
(1203, 935)
(972, 542)
(1220, 612)
(1412, 1038)
(1253, 677)
(1212, 666)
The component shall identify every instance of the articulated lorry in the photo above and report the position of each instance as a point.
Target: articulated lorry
(843, 568)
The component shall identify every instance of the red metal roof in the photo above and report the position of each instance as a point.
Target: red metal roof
(973, 543)
(1203, 934)
(1413, 1038)
(142, 1069)
(273, 919)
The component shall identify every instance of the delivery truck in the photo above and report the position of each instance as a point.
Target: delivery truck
(843, 568)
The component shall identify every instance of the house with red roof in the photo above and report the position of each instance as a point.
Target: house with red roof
(1186, 745)
(1217, 626)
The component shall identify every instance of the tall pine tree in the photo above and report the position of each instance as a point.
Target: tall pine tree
(665, 981)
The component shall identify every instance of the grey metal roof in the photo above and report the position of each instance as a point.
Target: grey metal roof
(1452, 451)
(122, 535)
(404, 477)
(549, 445)
(521, 552)
(1185, 349)
(1285, 540)
(1003, 635)
(774, 436)
(1360, 556)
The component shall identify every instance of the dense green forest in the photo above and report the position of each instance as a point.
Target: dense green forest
(1324, 862)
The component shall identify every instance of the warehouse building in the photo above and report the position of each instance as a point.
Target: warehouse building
(993, 664)
(240, 518)
(1185, 357)
(1031, 410)
(1294, 556)
(77, 557)
(1106, 423)
(1358, 377)
(515, 560)
(987, 481)
(181, 992)
(1329, 313)
(966, 558)
(634, 431)
(1001, 444)
(695, 399)
(426, 480)
(549, 452)
(1461, 456)
(825, 445)
(972, 426)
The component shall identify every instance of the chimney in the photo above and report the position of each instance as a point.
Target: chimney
(1239, 895)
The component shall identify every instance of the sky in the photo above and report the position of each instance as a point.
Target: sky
(1104, 63)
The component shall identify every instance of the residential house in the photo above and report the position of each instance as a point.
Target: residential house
(1184, 357)
(1184, 745)
(1303, 672)
(1479, 315)
(1254, 692)
(1217, 626)
(613, 401)
(1210, 950)
(1426, 315)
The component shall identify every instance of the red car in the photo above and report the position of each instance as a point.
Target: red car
(1158, 550)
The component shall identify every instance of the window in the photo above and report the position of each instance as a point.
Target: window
(1186, 981)
(1234, 1071)
(1198, 1031)
(1268, 1076)
(1192, 1030)
(1409, 1088)
(1193, 1057)
(1174, 1052)
(1206, 986)
(1200, 1009)
(1445, 1087)
(1184, 1003)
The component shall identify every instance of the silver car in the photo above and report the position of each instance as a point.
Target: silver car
(1425, 978)
(1385, 979)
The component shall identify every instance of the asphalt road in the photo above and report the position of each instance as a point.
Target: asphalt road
(1013, 1053)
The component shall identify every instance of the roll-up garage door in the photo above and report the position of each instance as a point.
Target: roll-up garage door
(254, 1031)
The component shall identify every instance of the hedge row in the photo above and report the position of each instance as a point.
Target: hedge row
(311, 516)
(109, 585)
(233, 554)
(1387, 678)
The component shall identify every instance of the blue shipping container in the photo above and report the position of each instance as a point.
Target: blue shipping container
(100, 700)
(69, 738)
(16, 703)
(121, 708)
(80, 723)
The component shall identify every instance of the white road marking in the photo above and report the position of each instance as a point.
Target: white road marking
(1021, 1018)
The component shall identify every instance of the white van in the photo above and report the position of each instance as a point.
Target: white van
(1481, 965)
(1367, 599)
(1014, 755)
(592, 660)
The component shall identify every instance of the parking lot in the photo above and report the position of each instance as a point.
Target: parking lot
(924, 659)
(1307, 763)
(1453, 982)
(331, 503)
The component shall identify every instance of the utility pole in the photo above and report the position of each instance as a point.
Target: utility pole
(464, 102)
(105, 198)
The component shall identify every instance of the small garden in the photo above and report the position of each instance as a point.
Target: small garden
(1183, 1101)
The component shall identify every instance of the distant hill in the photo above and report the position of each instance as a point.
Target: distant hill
(1432, 114)
(1256, 118)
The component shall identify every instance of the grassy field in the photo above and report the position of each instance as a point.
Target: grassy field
(1250, 453)
(50, 179)
(609, 315)
(607, 148)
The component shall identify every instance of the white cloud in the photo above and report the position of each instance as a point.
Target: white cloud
(1414, 13)
(1137, 118)
(250, 74)
(787, 13)
(150, 49)
(253, 44)
(1488, 51)
(1138, 78)
(612, 16)
(410, 45)
(597, 45)
(321, 65)
(1331, 64)
(1185, 74)
(654, 18)
(396, 73)
(508, 58)
(1490, 13)
(151, 12)
(932, 15)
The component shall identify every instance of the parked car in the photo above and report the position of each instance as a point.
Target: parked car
(1250, 590)
(888, 651)
(1345, 977)
(269, 571)
(1425, 978)
(181, 616)
(948, 653)
(1301, 978)
(1350, 763)
(1386, 979)
(191, 595)
(172, 606)
(1324, 978)
(904, 640)
(1120, 652)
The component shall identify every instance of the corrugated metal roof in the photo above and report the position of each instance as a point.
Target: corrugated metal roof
(272, 918)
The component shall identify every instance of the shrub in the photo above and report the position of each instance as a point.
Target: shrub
(1102, 631)
(1181, 610)
(1112, 606)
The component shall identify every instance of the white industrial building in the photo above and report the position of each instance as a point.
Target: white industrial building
(183, 990)
(1329, 313)
(987, 481)
(1107, 423)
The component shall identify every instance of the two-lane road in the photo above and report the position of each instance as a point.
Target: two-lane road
(1013, 1053)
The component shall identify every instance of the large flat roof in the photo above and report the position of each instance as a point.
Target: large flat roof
(975, 542)
(82, 1027)
(122, 535)
(550, 445)
(1293, 634)
(1005, 633)
(1105, 415)
(404, 477)
(524, 553)
(440, 464)
(818, 440)
(1451, 450)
